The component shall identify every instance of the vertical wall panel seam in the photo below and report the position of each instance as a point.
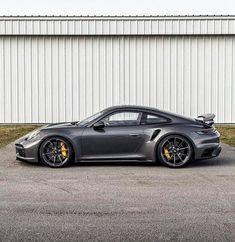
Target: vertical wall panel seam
(170, 56)
(142, 72)
(51, 77)
(72, 79)
(224, 70)
(112, 82)
(58, 78)
(231, 98)
(37, 64)
(190, 77)
(149, 69)
(217, 103)
(105, 70)
(211, 84)
(10, 81)
(85, 76)
(78, 80)
(44, 79)
(17, 81)
(177, 74)
(197, 73)
(183, 75)
(129, 65)
(31, 88)
(4, 79)
(24, 118)
(204, 75)
(163, 76)
(156, 70)
(65, 80)
(92, 83)
(98, 58)
(135, 69)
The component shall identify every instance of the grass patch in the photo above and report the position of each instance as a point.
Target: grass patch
(227, 133)
(9, 133)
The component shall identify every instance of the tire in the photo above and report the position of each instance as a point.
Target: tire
(56, 152)
(174, 151)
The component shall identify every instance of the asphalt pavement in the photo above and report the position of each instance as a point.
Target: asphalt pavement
(118, 201)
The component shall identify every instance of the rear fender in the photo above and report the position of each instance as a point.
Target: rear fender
(174, 133)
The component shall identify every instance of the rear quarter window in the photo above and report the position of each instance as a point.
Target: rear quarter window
(153, 119)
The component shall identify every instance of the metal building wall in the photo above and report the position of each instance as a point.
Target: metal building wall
(62, 78)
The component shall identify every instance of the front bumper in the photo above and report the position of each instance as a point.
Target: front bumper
(27, 150)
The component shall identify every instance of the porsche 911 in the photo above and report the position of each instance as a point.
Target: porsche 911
(124, 133)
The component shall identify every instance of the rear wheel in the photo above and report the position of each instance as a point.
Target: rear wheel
(56, 152)
(175, 151)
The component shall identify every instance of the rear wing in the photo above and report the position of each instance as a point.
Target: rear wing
(206, 118)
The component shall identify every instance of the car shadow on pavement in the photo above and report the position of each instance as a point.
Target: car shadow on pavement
(220, 161)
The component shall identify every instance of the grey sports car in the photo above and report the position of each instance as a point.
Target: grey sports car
(123, 133)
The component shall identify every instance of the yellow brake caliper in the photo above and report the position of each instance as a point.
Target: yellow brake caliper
(166, 153)
(63, 150)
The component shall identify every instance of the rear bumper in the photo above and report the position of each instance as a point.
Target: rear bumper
(208, 152)
(208, 146)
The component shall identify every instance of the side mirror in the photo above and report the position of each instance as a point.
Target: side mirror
(98, 126)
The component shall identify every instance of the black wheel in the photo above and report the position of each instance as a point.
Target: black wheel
(175, 151)
(56, 152)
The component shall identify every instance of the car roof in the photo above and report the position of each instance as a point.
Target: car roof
(117, 107)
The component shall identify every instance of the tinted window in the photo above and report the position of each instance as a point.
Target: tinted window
(89, 119)
(152, 119)
(122, 119)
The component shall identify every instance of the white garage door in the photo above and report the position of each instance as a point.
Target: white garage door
(52, 79)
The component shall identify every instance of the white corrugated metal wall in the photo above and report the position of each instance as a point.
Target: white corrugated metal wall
(62, 78)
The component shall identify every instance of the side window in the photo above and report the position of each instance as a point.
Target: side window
(152, 119)
(125, 118)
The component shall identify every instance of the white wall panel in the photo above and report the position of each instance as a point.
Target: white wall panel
(61, 78)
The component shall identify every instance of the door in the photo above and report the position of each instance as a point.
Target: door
(120, 138)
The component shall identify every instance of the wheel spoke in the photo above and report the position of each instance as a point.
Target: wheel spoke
(53, 146)
(51, 157)
(59, 156)
(180, 143)
(175, 144)
(179, 157)
(169, 142)
(51, 152)
(187, 147)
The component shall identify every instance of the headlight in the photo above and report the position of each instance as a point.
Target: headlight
(33, 134)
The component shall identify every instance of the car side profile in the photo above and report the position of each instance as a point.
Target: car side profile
(123, 133)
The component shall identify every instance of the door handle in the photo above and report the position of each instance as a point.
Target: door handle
(134, 135)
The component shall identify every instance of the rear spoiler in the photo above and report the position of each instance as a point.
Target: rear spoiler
(206, 118)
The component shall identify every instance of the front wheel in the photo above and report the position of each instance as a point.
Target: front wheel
(175, 151)
(56, 152)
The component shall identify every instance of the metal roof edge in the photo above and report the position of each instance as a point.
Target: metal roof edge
(115, 17)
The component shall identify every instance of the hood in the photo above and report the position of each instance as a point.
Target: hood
(60, 125)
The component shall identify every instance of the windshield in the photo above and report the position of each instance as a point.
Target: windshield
(88, 120)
